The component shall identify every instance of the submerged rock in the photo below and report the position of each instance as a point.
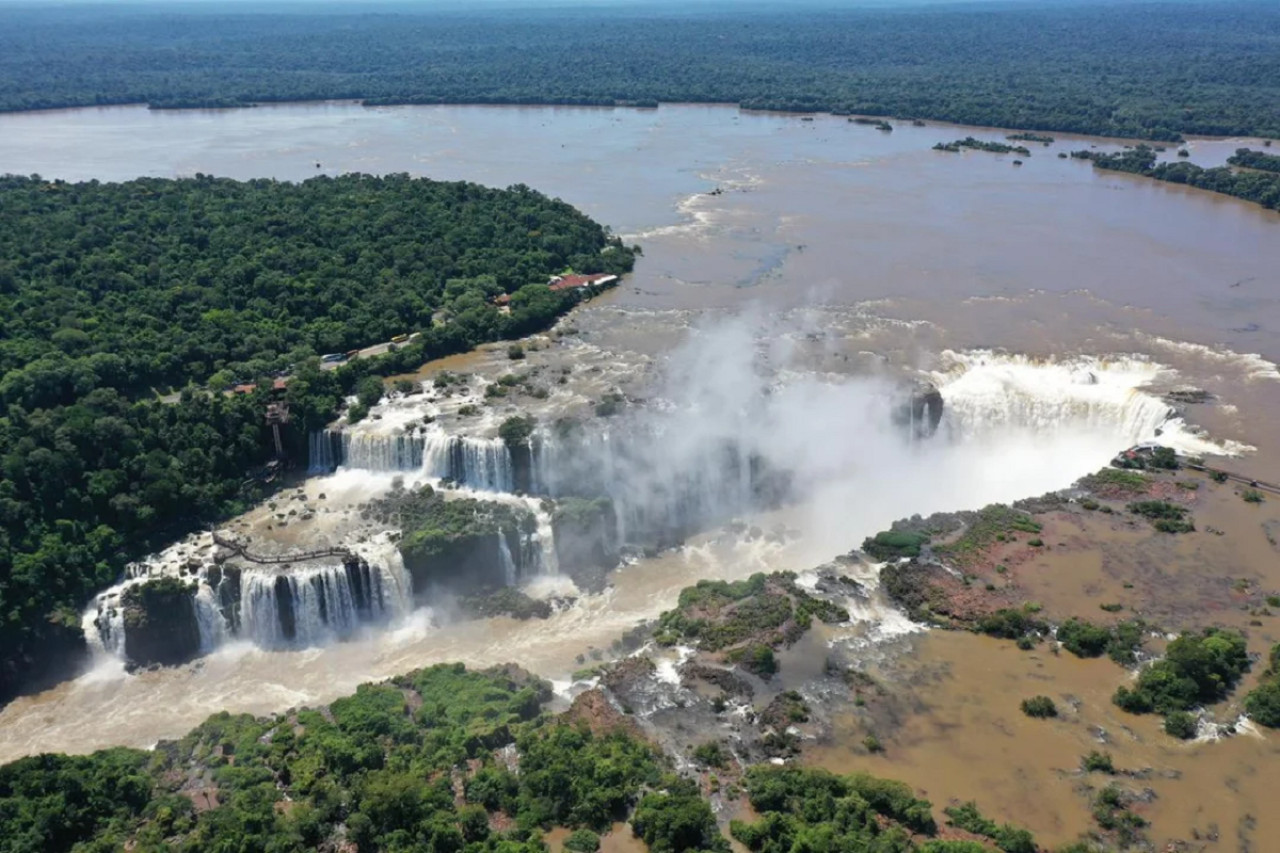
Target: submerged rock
(506, 602)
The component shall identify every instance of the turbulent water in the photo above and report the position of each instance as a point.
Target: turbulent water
(763, 438)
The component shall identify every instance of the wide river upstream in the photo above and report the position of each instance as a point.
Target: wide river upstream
(867, 241)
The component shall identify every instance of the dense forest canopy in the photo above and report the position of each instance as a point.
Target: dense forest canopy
(160, 282)
(110, 290)
(1152, 70)
(443, 760)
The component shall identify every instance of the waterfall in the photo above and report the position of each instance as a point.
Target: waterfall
(544, 540)
(323, 456)
(382, 452)
(483, 464)
(987, 392)
(209, 618)
(311, 606)
(508, 564)
(103, 624)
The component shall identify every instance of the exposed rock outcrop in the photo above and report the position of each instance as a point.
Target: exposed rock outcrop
(922, 412)
(464, 563)
(160, 625)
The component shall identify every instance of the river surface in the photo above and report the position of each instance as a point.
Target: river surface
(865, 241)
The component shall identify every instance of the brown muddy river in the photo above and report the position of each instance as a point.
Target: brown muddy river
(870, 245)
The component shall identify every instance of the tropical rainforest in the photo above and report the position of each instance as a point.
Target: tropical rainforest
(113, 293)
(444, 760)
(1149, 70)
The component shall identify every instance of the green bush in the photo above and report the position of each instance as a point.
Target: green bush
(1098, 762)
(1010, 624)
(711, 754)
(757, 658)
(1157, 509)
(582, 841)
(1197, 669)
(894, 544)
(1263, 704)
(1164, 516)
(1039, 707)
(1252, 496)
(1083, 639)
(1120, 642)
(1008, 838)
(369, 391)
(1180, 724)
(515, 431)
(677, 820)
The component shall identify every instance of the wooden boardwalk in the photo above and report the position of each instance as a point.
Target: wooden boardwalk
(1260, 485)
(244, 553)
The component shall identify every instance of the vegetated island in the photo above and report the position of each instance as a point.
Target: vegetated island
(1247, 159)
(109, 291)
(1031, 137)
(981, 145)
(878, 124)
(1255, 184)
(1110, 69)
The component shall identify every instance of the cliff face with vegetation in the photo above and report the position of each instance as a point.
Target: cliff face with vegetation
(160, 625)
(457, 545)
(586, 540)
(111, 291)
